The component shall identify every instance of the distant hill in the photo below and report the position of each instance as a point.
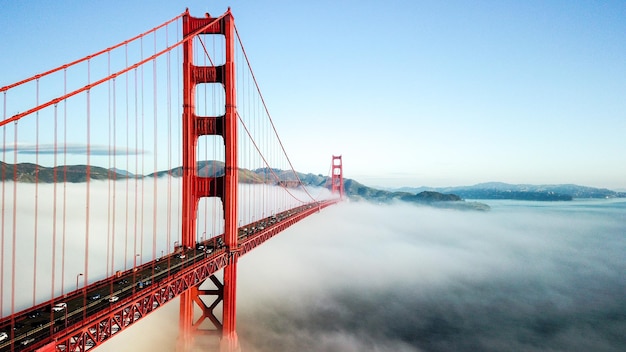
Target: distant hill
(357, 191)
(25, 172)
(212, 168)
(499, 190)
(122, 172)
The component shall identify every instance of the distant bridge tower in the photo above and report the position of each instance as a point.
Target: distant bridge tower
(337, 176)
(195, 187)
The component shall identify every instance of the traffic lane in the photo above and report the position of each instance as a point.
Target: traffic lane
(37, 324)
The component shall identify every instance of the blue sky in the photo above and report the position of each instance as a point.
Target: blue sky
(411, 93)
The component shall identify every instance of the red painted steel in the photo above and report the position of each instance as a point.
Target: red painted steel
(185, 339)
(51, 347)
(224, 187)
(101, 326)
(337, 176)
(229, 335)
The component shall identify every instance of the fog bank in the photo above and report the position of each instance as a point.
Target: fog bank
(358, 277)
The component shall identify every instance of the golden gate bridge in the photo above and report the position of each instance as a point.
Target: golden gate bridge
(135, 176)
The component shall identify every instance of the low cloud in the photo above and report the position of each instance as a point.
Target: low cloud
(363, 277)
(403, 278)
(71, 149)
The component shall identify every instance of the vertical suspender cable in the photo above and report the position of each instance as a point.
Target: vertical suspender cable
(88, 177)
(143, 147)
(141, 201)
(213, 112)
(126, 210)
(179, 133)
(216, 227)
(36, 197)
(243, 215)
(136, 206)
(248, 151)
(168, 86)
(214, 88)
(156, 154)
(4, 179)
(250, 155)
(64, 179)
(114, 178)
(109, 171)
(264, 143)
(205, 156)
(54, 204)
(14, 239)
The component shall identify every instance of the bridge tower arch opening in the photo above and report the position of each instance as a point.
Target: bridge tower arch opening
(196, 187)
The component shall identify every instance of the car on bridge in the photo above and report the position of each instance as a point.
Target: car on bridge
(59, 307)
(143, 283)
(95, 297)
(27, 341)
(3, 336)
(34, 314)
(113, 299)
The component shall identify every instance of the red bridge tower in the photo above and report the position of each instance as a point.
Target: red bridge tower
(337, 176)
(224, 187)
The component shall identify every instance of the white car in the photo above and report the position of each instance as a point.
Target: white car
(59, 307)
(27, 341)
(3, 336)
(113, 299)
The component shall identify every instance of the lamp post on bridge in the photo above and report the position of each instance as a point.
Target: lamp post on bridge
(135, 271)
(77, 276)
(135, 262)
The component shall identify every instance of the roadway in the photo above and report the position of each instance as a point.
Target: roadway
(38, 323)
